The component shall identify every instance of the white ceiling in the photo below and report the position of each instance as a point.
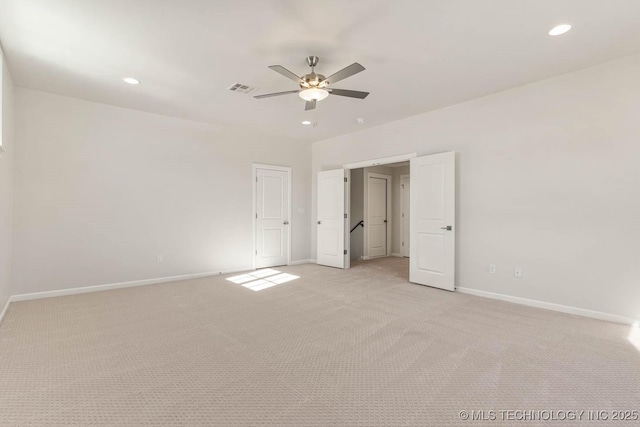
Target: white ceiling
(420, 55)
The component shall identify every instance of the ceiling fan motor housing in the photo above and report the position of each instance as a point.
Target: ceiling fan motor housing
(312, 80)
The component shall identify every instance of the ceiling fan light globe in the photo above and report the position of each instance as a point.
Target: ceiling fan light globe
(313, 93)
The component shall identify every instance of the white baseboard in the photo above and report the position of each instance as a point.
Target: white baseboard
(4, 310)
(551, 306)
(365, 258)
(98, 288)
(302, 261)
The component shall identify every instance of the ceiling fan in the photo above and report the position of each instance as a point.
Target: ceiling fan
(315, 87)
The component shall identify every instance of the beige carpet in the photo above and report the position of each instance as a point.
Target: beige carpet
(354, 348)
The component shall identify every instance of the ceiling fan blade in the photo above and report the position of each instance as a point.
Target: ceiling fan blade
(269, 95)
(349, 71)
(288, 74)
(310, 105)
(349, 93)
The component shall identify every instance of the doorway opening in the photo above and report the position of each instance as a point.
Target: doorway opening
(379, 207)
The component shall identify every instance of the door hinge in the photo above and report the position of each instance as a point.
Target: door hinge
(345, 251)
(345, 215)
(256, 179)
(402, 243)
(345, 179)
(256, 216)
(403, 186)
(256, 252)
(402, 214)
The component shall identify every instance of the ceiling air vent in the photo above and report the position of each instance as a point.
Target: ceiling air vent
(240, 88)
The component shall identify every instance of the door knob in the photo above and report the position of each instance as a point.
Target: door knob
(448, 227)
(285, 223)
(385, 221)
(319, 222)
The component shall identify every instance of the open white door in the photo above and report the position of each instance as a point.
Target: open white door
(332, 206)
(432, 235)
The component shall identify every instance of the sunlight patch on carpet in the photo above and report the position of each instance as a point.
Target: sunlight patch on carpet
(262, 279)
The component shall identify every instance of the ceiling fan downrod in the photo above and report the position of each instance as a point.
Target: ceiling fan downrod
(312, 61)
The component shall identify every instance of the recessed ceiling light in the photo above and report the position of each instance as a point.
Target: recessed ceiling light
(131, 81)
(559, 29)
(306, 122)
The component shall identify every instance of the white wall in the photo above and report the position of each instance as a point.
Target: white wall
(6, 187)
(548, 180)
(102, 190)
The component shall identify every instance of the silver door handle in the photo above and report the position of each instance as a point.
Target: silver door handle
(319, 222)
(285, 223)
(448, 227)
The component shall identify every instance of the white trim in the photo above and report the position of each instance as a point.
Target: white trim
(98, 288)
(396, 255)
(4, 310)
(347, 219)
(303, 261)
(381, 161)
(551, 306)
(254, 175)
(404, 249)
(1, 114)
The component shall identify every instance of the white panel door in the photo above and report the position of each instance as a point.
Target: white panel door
(405, 185)
(377, 217)
(272, 221)
(432, 235)
(331, 219)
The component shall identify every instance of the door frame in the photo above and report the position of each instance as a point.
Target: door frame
(404, 250)
(254, 186)
(389, 160)
(381, 161)
(389, 179)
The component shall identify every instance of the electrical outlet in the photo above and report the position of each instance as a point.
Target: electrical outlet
(492, 268)
(517, 272)
(159, 258)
